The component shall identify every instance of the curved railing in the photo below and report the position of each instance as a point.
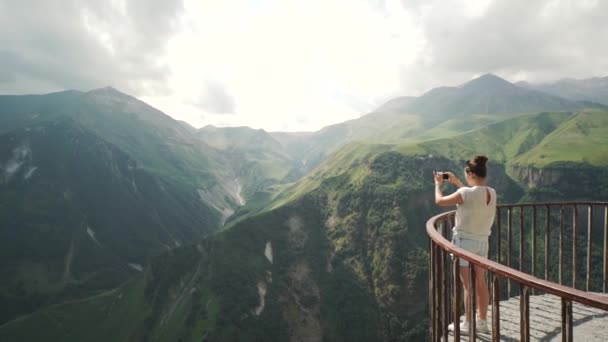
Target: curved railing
(515, 252)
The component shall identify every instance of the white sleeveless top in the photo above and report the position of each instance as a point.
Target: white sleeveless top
(474, 217)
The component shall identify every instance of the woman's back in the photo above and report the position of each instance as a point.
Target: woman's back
(475, 216)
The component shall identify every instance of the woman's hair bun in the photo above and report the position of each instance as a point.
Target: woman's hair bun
(477, 166)
(480, 160)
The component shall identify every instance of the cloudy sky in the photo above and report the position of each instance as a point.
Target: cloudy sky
(291, 64)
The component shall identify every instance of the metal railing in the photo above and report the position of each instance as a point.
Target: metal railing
(515, 253)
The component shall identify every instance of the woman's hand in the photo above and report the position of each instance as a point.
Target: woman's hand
(449, 200)
(438, 178)
(453, 179)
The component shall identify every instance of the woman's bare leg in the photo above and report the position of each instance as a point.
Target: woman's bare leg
(464, 278)
(483, 296)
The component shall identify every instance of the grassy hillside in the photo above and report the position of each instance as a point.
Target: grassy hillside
(536, 140)
(501, 141)
(583, 138)
(78, 215)
(115, 315)
(440, 113)
(349, 158)
(210, 291)
(158, 143)
(522, 140)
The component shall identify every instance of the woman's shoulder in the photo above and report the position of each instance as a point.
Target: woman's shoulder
(477, 189)
(463, 189)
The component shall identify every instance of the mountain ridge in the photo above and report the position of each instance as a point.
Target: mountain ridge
(593, 89)
(442, 111)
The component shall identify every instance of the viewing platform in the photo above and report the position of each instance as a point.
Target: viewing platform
(533, 295)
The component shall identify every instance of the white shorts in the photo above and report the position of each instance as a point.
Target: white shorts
(474, 246)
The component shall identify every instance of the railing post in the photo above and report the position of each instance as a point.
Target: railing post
(524, 313)
(472, 301)
(533, 242)
(456, 297)
(547, 244)
(445, 281)
(446, 298)
(589, 245)
(432, 290)
(574, 224)
(521, 238)
(561, 244)
(605, 247)
(499, 236)
(509, 245)
(495, 308)
(567, 321)
(438, 293)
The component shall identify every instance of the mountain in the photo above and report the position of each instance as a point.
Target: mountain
(556, 156)
(591, 89)
(79, 215)
(578, 140)
(93, 184)
(396, 104)
(341, 253)
(342, 258)
(441, 112)
(160, 144)
(535, 140)
(260, 160)
(487, 95)
(324, 267)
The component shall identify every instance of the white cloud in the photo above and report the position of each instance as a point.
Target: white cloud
(291, 64)
(47, 46)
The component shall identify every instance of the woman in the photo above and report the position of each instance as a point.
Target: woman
(476, 208)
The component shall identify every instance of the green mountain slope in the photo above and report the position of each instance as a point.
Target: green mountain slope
(258, 159)
(487, 94)
(534, 140)
(581, 139)
(348, 262)
(211, 291)
(506, 142)
(348, 247)
(115, 316)
(19, 111)
(440, 113)
(503, 141)
(78, 215)
(158, 143)
(557, 156)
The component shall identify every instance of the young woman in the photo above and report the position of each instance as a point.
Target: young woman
(475, 211)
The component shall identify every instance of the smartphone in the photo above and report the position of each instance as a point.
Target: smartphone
(445, 176)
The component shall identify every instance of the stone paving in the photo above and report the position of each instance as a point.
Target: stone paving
(590, 324)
